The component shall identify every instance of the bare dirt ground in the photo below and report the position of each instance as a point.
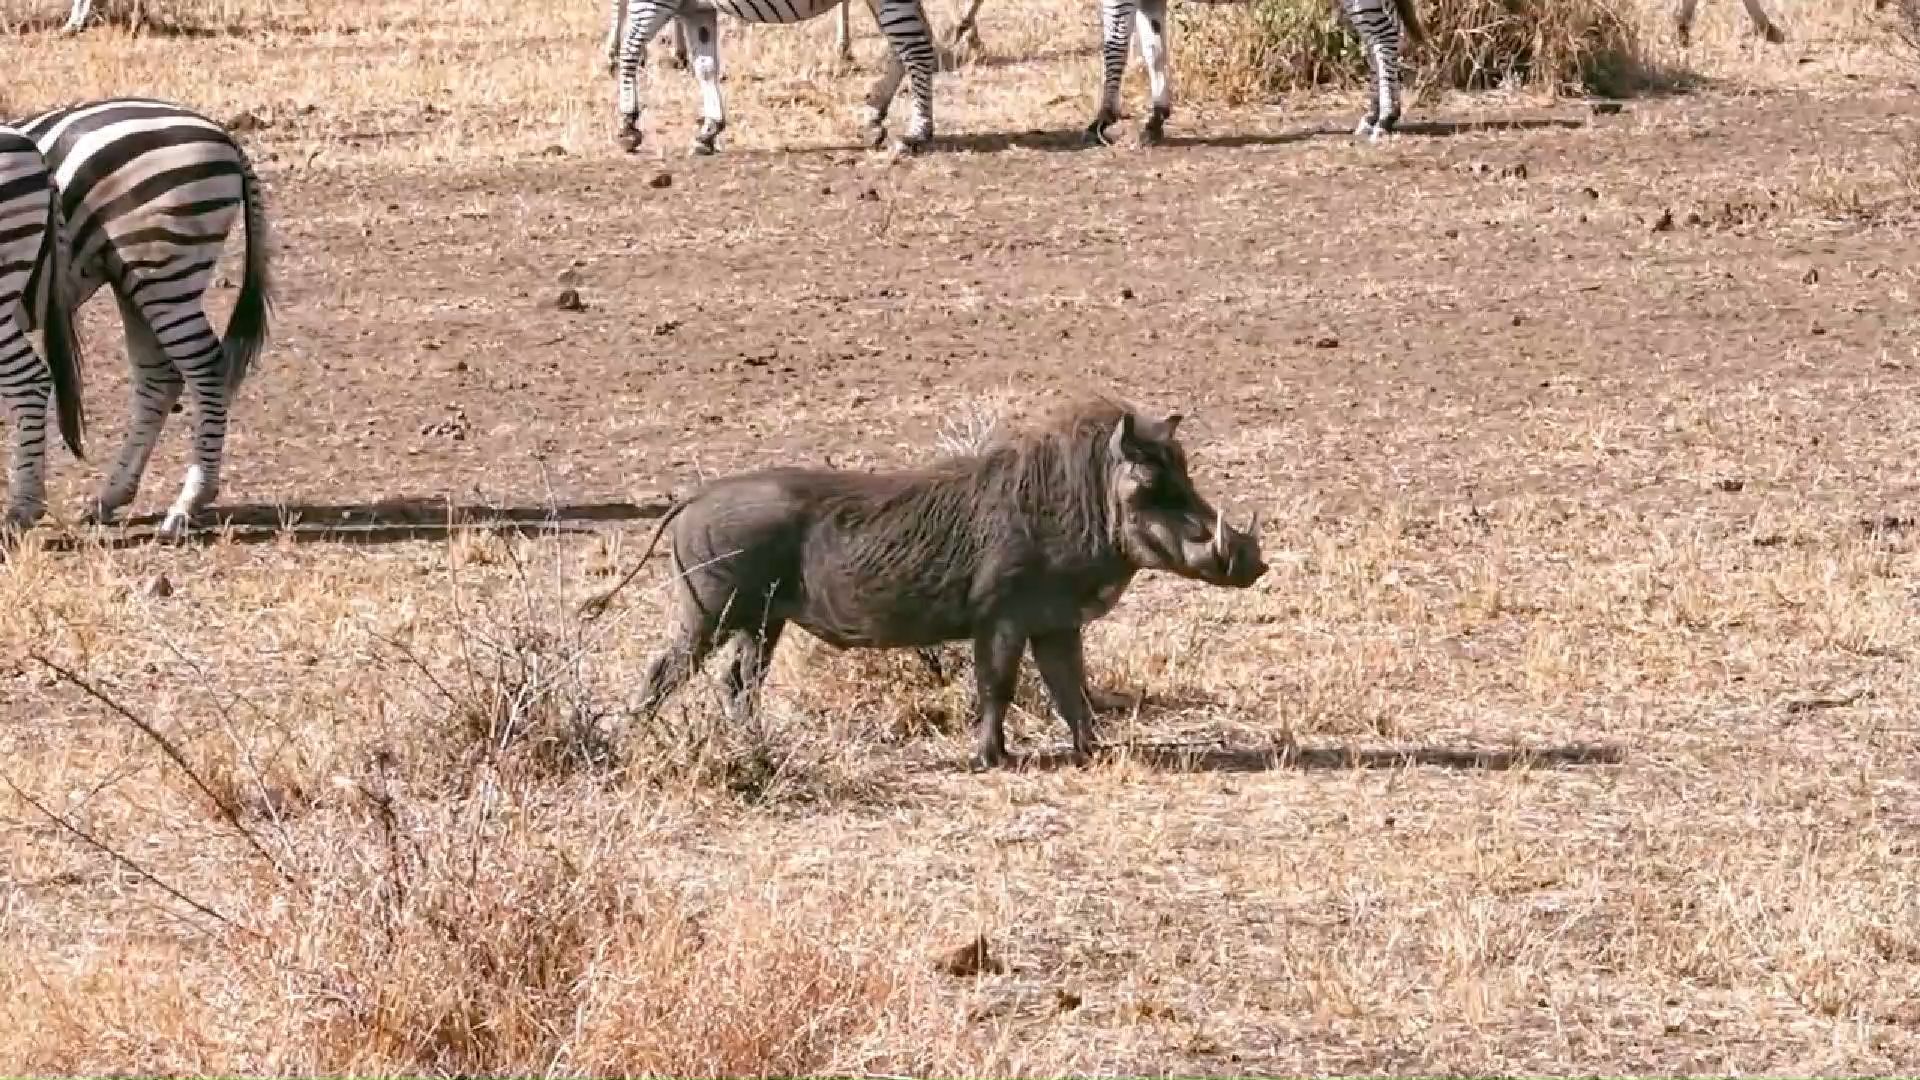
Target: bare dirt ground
(1571, 732)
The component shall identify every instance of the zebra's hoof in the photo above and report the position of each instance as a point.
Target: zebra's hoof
(703, 147)
(1152, 133)
(1096, 133)
(628, 139)
(173, 528)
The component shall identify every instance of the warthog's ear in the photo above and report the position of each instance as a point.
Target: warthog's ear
(1170, 425)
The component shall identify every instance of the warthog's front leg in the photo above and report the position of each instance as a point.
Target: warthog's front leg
(748, 672)
(996, 670)
(1061, 658)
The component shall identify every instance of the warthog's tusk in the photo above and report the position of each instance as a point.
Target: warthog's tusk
(1253, 525)
(1220, 532)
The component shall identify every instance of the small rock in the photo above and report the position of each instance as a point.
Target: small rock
(569, 300)
(555, 150)
(826, 189)
(1818, 331)
(1590, 193)
(1811, 277)
(1604, 108)
(157, 587)
(1663, 223)
(1065, 1000)
(1126, 293)
(868, 195)
(661, 179)
(969, 960)
(1451, 234)
(1515, 171)
(1729, 484)
(246, 120)
(1326, 341)
(663, 328)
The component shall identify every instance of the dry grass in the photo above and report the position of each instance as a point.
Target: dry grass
(1570, 733)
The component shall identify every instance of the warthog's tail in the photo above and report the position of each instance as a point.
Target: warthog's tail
(1410, 21)
(596, 606)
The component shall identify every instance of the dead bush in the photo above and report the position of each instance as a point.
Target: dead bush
(1268, 48)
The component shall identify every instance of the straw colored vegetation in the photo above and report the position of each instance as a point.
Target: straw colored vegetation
(1572, 730)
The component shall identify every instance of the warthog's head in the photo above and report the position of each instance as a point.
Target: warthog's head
(1161, 520)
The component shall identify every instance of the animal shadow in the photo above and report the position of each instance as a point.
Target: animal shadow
(386, 521)
(1215, 758)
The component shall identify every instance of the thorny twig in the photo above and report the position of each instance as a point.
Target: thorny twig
(227, 809)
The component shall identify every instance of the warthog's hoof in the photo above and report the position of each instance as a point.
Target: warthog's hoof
(986, 758)
(876, 136)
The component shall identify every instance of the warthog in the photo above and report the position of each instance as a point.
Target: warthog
(1016, 547)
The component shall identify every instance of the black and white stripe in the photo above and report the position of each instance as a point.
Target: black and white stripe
(904, 23)
(1381, 25)
(148, 191)
(30, 283)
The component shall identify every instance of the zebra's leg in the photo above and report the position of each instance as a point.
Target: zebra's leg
(644, 20)
(77, 16)
(904, 22)
(843, 32)
(1383, 111)
(154, 389)
(1150, 20)
(611, 46)
(677, 40)
(703, 26)
(1683, 20)
(25, 388)
(967, 30)
(1762, 24)
(1116, 38)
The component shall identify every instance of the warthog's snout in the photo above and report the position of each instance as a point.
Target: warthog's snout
(1232, 556)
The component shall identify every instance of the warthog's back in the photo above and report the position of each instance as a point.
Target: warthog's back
(881, 559)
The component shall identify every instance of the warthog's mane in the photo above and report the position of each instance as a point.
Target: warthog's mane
(1052, 474)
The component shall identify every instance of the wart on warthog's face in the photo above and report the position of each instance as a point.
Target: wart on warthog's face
(1164, 522)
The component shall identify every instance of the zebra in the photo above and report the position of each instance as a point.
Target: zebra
(77, 16)
(1763, 25)
(1380, 24)
(842, 35)
(904, 22)
(148, 191)
(967, 30)
(31, 277)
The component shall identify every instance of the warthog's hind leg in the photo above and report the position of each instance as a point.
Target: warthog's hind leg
(1061, 659)
(996, 668)
(681, 657)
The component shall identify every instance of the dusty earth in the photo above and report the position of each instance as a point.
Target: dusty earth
(1572, 731)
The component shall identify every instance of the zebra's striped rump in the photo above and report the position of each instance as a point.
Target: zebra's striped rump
(149, 190)
(31, 280)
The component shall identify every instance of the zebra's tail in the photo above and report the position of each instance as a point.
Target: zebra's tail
(1410, 21)
(58, 336)
(247, 329)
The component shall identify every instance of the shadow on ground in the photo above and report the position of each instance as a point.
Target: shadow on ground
(1187, 757)
(387, 521)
